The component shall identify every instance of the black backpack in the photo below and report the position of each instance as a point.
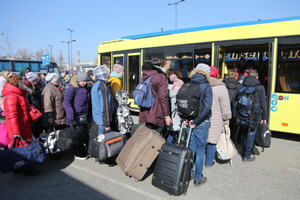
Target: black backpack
(246, 109)
(188, 101)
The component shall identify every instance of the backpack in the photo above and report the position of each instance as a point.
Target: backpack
(246, 108)
(188, 101)
(142, 94)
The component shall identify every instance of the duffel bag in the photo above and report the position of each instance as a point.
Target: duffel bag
(16, 158)
(70, 137)
(106, 145)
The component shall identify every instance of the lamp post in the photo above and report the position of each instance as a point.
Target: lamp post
(71, 45)
(50, 51)
(170, 4)
(68, 42)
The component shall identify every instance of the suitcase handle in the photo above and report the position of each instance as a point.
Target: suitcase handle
(189, 135)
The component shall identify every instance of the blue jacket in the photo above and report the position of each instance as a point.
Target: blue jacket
(102, 103)
(206, 96)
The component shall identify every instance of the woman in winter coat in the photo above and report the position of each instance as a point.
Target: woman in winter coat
(34, 90)
(77, 99)
(52, 98)
(115, 80)
(16, 110)
(159, 114)
(77, 103)
(173, 90)
(102, 100)
(221, 114)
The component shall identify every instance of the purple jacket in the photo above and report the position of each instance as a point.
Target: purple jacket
(160, 108)
(76, 105)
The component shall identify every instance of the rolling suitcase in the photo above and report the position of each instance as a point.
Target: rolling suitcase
(139, 152)
(173, 167)
(106, 145)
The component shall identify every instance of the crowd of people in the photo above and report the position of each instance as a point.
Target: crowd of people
(64, 100)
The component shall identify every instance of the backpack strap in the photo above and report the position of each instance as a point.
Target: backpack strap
(152, 86)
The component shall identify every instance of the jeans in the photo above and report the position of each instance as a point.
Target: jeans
(197, 145)
(210, 154)
(172, 137)
(101, 129)
(247, 142)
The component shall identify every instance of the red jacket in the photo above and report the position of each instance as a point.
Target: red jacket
(160, 108)
(17, 114)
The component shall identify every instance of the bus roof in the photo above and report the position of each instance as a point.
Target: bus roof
(209, 27)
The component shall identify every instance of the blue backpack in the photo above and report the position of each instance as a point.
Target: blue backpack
(246, 108)
(142, 94)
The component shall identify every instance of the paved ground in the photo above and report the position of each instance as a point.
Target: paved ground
(274, 175)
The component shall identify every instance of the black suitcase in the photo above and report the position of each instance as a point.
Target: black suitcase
(173, 167)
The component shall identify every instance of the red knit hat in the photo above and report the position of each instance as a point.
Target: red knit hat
(214, 72)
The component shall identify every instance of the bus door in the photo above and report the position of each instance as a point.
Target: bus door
(219, 60)
(134, 73)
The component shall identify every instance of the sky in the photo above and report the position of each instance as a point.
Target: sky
(35, 24)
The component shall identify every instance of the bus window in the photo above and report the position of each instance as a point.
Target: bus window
(178, 60)
(4, 66)
(119, 60)
(202, 56)
(19, 65)
(105, 59)
(34, 67)
(288, 69)
(43, 66)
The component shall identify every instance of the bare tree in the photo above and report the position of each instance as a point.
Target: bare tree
(38, 54)
(7, 44)
(24, 54)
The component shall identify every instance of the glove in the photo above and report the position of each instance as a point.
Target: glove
(50, 118)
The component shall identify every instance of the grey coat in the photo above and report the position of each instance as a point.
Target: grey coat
(221, 112)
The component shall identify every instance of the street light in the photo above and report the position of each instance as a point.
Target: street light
(170, 4)
(68, 42)
(71, 44)
(50, 51)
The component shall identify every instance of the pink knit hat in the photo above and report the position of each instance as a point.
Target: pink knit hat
(118, 68)
(214, 72)
(176, 81)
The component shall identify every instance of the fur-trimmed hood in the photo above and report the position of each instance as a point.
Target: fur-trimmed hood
(73, 81)
(199, 71)
(215, 82)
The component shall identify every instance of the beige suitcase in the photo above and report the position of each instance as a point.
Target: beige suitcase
(140, 151)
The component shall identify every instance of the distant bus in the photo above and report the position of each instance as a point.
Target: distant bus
(34, 66)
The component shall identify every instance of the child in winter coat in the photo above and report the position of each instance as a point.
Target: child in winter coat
(123, 117)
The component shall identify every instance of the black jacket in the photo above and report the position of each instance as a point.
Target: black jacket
(232, 87)
(250, 81)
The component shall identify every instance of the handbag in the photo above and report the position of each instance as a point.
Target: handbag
(16, 158)
(82, 120)
(225, 148)
(35, 114)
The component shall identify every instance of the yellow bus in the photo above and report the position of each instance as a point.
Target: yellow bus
(272, 46)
